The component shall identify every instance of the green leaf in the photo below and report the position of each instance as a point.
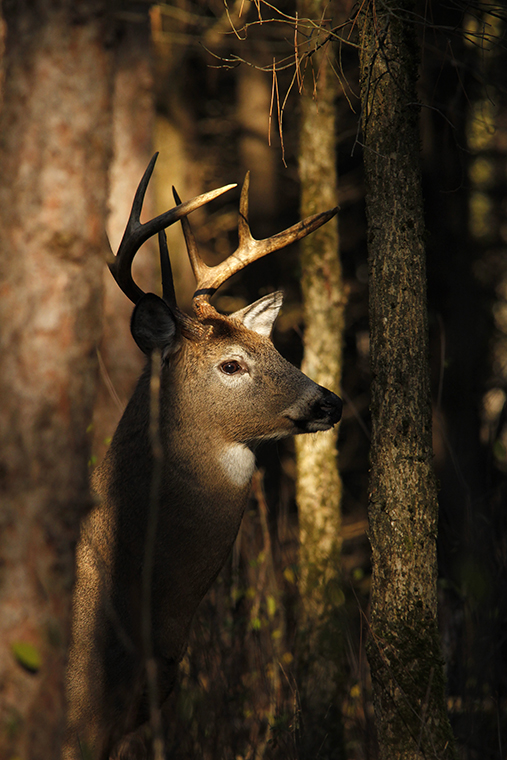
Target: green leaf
(271, 605)
(499, 451)
(27, 655)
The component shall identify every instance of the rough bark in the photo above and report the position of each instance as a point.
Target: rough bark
(54, 153)
(318, 482)
(404, 648)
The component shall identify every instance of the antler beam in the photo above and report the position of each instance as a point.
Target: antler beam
(249, 249)
(137, 233)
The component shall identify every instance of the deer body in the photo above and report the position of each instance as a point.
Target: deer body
(223, 389)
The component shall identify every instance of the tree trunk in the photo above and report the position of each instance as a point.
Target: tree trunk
(404, 648)
(54, 153)
(121, 362)
(318, 481)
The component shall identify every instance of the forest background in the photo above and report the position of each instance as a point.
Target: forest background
(220, 90)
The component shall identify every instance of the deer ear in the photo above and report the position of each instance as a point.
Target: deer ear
(153, 324)
(261, 314)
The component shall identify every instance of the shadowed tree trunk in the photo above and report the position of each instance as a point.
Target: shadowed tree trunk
(318, 481)
(404, 648)
(121, 362)
(54, 153)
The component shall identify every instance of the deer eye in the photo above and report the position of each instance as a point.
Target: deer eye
(231, 367)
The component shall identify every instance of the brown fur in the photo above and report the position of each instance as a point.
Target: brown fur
(208, 422)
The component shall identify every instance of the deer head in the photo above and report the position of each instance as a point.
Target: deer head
(158, 324)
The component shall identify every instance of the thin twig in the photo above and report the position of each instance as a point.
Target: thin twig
(149, 554)
(109, 383)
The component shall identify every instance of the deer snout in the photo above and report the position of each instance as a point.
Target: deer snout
(318, 410)
(328, 408)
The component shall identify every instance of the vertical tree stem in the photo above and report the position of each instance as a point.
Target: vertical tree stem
(318, 481)
(55, 144)
(404, 648)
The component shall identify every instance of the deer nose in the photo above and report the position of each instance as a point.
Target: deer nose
(331, 406)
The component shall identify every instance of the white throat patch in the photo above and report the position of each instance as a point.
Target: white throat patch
(238, 463)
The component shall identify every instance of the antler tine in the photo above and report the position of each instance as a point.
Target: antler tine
(199, 268)
(249, 249)
(168, 293)
(244, 233)
(121, 266)
(137, 233)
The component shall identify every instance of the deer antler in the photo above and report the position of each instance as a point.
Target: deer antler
(249, 249)
(137, 233)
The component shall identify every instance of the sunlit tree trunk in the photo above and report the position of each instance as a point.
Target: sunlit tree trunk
(54, 154)
(404, 648)
(318, 481)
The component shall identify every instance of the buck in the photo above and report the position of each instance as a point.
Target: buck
(173, 487)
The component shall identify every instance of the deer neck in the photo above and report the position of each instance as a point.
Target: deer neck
(195, 453)
(207, 458)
